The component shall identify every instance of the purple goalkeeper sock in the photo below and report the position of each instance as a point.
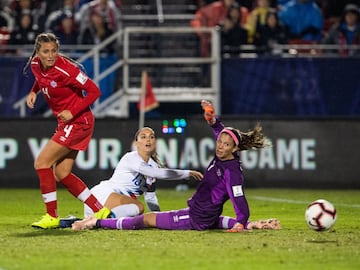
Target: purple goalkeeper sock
(109, 223)
(125, 223)
(131, 223)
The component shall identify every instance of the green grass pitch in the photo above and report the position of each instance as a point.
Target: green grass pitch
(295, 246)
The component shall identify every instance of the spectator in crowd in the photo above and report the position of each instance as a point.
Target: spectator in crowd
(24, 33)
(97, 20)
(212, 15)
(53, 20)
(6, 20)
(235, 13)
(6, 27)
(62, 23)
(257, 17)
(346, 32)
(233, 34)
(67, 32)
(36, 8)
(107, 9)
(270, 34)
(96, 32)
(304, 21)
(332, 9)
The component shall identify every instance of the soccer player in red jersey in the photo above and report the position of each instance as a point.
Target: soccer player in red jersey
(61, 82)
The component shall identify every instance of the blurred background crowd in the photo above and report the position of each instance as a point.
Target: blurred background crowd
(73, 21)
(262, 23)
(261, 48)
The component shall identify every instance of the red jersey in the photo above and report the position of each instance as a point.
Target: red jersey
(62, 87)
(211, 15)
(214, 14)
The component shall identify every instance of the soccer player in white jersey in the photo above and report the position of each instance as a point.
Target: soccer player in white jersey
(134, 175)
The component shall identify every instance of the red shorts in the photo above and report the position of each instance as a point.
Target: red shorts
(75, 135)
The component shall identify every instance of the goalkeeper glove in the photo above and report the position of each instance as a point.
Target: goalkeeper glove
(209, 112)
(238, 227)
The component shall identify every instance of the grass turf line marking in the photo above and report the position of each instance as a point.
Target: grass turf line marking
(270, 199)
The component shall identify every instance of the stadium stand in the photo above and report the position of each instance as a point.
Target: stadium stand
(176, 14)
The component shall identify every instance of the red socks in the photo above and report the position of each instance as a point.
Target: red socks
(78, 188)
(75, 186)
(48, 190)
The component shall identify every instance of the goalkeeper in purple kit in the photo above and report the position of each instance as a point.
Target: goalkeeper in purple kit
(222, 181)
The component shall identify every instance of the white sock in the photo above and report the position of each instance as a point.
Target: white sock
(126, 210)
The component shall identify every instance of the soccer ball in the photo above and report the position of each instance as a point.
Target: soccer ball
(320, 215)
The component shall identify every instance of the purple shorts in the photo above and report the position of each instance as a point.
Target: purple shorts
(174, 220)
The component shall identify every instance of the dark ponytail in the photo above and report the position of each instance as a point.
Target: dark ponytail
(26, 67)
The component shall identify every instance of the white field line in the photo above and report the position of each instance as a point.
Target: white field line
(270, 199)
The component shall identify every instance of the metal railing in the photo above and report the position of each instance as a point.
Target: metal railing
(292, 50)
(118, 104)
(171, 94)
(84, 52)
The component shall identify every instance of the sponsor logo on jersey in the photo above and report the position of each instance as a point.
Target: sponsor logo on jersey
(81, 78)
(53, 84)
(237, 191)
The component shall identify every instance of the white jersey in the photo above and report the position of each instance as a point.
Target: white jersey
(133, 176)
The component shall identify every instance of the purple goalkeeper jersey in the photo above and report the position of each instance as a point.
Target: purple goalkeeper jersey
(223, 180)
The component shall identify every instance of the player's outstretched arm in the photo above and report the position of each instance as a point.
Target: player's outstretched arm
(271, 224)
